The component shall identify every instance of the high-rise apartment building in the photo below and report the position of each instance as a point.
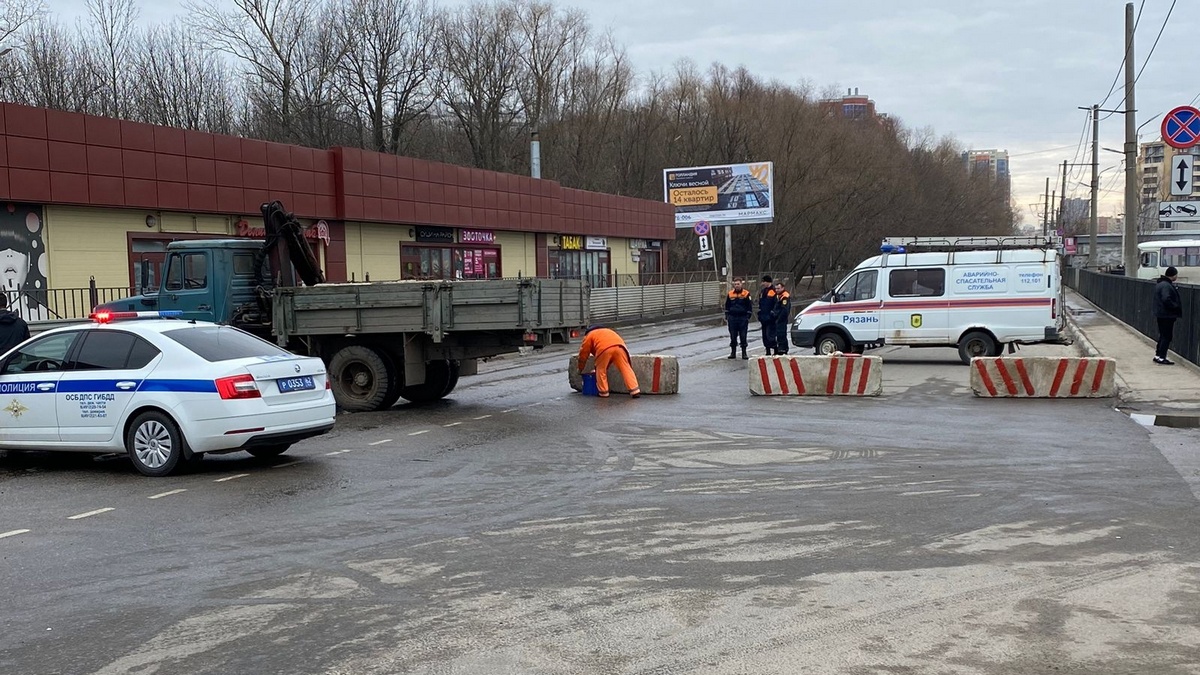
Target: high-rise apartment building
(990, 163)
(852, 106)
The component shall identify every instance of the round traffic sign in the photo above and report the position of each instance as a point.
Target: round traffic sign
(701, 228)
(1181, 127)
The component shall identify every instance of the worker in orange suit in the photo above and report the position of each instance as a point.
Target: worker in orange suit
(609, 348)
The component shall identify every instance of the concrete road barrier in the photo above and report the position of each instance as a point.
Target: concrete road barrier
(843, 375)
(656, 374)
(1043, 377)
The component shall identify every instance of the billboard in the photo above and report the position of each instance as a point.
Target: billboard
(730, 194)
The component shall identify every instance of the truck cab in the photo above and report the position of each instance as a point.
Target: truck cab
(206, 280)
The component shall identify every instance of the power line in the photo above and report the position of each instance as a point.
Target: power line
(1121, 68)
(1160, 32)
(1150, 53)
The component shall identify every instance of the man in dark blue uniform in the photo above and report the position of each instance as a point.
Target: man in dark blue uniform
(782, 314)
(766, 307)
(739, 306)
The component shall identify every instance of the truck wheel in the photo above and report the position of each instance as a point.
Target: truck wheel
(440, 378)
(830, 342)
(453, 382)
(361, 378)
(976, 343)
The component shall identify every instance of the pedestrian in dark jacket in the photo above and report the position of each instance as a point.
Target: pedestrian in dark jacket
(13, 329)
(766, 308)
(781, 315)
(1167, 309)
(739, 307)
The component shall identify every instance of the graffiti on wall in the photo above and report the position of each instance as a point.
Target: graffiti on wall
(23, 260)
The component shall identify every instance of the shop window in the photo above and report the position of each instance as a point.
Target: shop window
(449, 262)
(590, 266)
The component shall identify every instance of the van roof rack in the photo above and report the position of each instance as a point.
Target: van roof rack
(914, 244)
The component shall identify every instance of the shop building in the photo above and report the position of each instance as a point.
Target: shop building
(96, 199)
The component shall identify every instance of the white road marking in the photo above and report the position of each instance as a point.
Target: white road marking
(233, 477)
(509, 410)
(484, 417)
(280, 466)
(418, 433)
(12, 533)
(91, 513)
(336, 452)
(386, 440)
(167, 494)
(924, 492)
(452, 424)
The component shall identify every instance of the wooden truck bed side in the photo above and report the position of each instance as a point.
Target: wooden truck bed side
(435, 308)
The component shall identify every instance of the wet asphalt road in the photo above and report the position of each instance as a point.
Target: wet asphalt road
(522, 528)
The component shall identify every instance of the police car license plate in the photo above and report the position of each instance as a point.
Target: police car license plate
(296, 384)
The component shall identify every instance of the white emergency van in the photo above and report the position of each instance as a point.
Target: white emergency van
(974, 293)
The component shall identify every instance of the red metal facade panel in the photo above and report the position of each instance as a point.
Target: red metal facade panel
(60, 157)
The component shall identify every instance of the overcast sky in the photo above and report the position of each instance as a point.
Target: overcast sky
(1005, 74)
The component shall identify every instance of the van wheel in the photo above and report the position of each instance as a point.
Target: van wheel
(976, 344)
(829, 343)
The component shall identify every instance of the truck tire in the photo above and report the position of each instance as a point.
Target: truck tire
(977, 343)
(362, 378)
(440, 378)
(453, 382)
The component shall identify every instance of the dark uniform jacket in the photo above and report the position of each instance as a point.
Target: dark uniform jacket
(766, 304)
(1166, 300)
(13, 330)
(782, 311)
(739, 306)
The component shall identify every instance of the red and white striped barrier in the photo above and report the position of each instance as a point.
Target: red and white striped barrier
(656, 374)
(847, 375)
(1043, 377)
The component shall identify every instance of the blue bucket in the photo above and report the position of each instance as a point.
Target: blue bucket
(589, 385)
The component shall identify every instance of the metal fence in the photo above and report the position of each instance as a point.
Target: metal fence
(631, 302)
(57, 304)
(1132, 301)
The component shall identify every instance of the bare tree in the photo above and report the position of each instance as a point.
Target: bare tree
(112, 32)
(387, 67)
(52, 68)
(268, 36)
(180, 84)
(15, 14)
(480, 74)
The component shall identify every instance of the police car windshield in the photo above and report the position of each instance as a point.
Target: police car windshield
(222, 343)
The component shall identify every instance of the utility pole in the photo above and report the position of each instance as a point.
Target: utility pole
(1053, 215)
(1130, 253)
(1046, 208)
(1093, 221)
(1062, 204)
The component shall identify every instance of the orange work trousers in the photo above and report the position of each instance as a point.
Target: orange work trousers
(619, 357)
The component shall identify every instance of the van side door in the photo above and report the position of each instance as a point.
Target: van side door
(856, 306)
(916, 311)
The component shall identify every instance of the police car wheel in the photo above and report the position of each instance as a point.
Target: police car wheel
(154, 444)
(829, 343)
(976, 344)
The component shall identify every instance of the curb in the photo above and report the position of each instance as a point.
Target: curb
(1085, 345)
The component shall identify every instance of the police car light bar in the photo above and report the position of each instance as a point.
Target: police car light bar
(105, 316)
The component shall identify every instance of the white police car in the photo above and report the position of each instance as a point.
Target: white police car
(163, 390)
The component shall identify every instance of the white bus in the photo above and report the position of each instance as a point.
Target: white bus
(1182, 254)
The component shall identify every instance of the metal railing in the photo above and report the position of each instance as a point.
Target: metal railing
(57, 304)
(644, 301)
(1131, 301)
